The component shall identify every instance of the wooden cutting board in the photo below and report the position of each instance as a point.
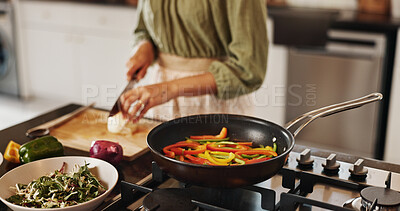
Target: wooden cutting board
(91, 125)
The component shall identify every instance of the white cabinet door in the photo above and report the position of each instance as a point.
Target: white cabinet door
(70, 47)
(50, 64)
(46, 14)
(101, 65)
(104, 20)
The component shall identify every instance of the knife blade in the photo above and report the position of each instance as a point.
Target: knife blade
(117, 106)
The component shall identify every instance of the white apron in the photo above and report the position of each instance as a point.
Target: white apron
(170, 67)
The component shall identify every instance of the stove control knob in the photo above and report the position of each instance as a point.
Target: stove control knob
(358, 170)
(331, 166)
(305, 159)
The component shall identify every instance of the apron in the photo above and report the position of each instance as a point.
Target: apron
(170, 67)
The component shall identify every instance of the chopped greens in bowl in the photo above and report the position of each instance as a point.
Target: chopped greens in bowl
(58, 189)
(59, 183)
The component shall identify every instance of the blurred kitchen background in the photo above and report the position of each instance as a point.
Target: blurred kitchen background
(55, 52)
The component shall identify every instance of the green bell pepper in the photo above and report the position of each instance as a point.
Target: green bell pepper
(43, 147)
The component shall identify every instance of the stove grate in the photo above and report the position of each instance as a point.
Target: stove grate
(291, 200)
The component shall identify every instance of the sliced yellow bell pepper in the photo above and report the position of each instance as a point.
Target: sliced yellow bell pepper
(212, 160)
(230, 155)
(11, 154)
(202, 155)
(239, 161)
(219, 153)
(266, 148)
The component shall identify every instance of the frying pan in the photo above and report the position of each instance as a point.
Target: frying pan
(260, 132)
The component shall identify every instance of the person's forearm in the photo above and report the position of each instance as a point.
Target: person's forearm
(193, 85)
(142, 58)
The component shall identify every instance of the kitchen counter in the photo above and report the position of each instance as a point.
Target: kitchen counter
(139, 168)
(345, 18)
(132, 171)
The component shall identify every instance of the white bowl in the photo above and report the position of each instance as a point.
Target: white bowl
(104, 171)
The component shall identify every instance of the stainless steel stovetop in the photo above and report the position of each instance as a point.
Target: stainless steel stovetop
(303, 184)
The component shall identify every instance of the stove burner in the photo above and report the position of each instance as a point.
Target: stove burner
(386, 198)
(169, 199)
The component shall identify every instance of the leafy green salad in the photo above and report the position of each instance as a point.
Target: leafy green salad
(58, 189)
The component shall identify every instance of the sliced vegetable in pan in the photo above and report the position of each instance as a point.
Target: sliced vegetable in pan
(218, 150)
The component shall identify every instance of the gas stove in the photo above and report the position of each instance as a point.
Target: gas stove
(306, 182)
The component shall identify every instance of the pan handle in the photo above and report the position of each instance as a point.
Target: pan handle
(331, 109)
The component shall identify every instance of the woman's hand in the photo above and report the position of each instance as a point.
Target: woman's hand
(141, 99)
(140, 61)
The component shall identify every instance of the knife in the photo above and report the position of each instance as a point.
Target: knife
(117, 106)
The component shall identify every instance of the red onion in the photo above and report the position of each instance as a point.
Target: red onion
(107, 150)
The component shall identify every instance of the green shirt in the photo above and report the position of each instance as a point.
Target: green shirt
(235, 29)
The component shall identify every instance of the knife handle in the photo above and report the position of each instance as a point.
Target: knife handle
(117, 105)
(131, 83)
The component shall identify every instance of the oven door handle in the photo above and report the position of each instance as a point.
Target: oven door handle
(339, 53)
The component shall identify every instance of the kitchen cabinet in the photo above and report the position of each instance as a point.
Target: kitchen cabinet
(50, 64)
(76, 52)
(101, 71)
(46, 13)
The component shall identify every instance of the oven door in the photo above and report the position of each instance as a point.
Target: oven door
(348, 67)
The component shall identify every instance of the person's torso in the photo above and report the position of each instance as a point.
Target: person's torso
(188, 28)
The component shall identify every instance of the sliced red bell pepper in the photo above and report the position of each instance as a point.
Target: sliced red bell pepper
(252, 152)
(239, 146)
(171, 154)
(221, 135)
(245, 143)
(199, 149)
(214, 147)
(256, 160)
(177, 150)
(197, 160)
(180, 151)
(180, 158)
(187, 141)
